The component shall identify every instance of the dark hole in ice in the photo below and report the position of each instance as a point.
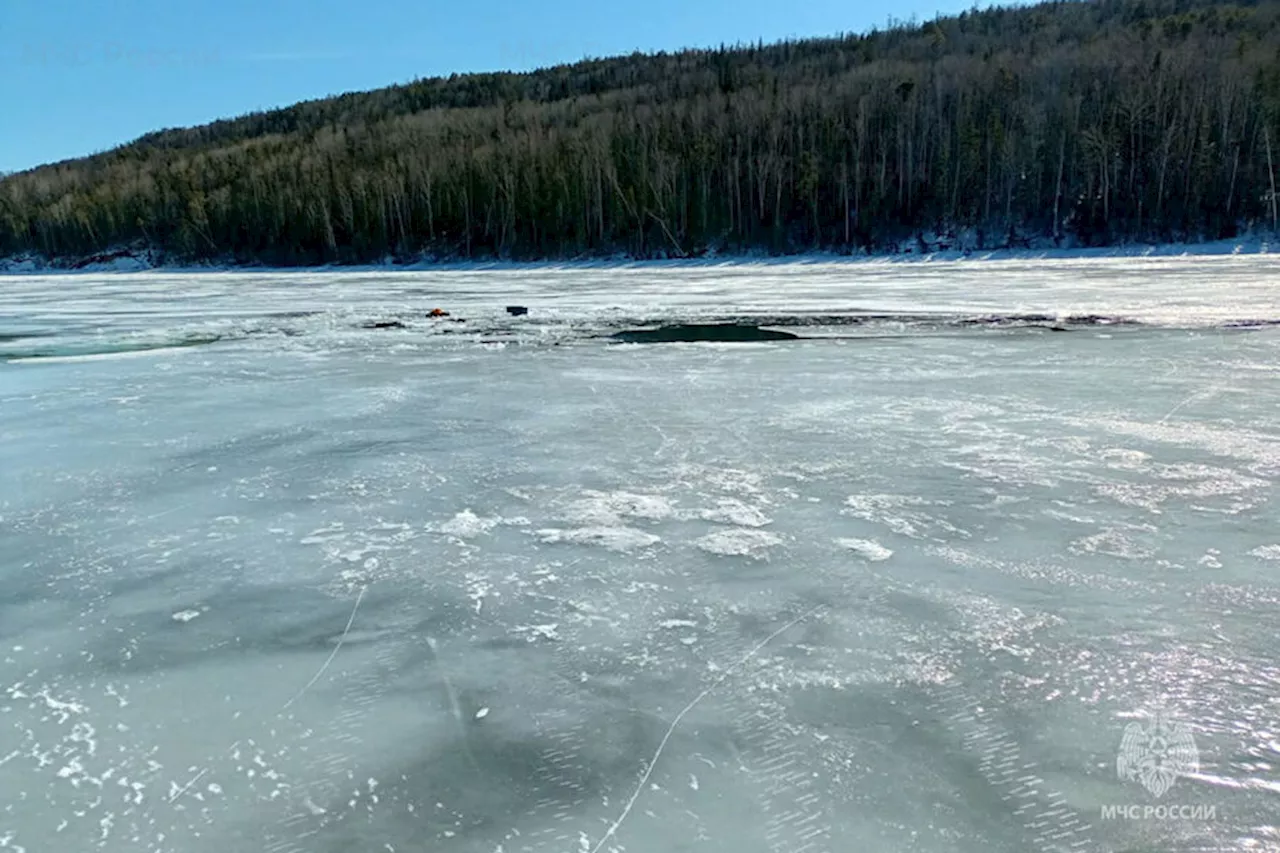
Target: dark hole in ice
(10, 337)
(517, 310)
(383, 324)
(691, 332)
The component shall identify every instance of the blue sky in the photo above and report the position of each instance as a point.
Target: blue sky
(79, 76)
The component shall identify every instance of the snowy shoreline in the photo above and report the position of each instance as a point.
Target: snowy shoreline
(133, 263)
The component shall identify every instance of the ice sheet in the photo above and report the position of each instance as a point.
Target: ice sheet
(293, 584)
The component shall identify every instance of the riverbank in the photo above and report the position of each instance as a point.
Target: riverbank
(142, 260)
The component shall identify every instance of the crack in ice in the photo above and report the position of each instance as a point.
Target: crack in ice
(662, 745)
(332, 654)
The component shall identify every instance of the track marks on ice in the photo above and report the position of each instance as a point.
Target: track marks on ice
(796, 819)
(1053, 826)
(561, 773)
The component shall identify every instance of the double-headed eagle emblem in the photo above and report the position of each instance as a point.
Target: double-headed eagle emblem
(1156, 752)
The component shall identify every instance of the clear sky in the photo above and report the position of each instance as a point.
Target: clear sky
(79, 76)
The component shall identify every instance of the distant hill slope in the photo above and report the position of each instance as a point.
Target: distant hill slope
(1089, 122)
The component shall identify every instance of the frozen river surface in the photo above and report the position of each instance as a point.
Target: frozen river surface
(287, 565)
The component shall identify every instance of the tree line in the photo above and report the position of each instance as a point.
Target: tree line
(1083, 122)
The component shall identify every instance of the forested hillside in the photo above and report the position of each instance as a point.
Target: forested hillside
(1085, 122)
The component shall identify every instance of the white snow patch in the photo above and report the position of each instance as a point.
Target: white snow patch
(534, 632)
(868, 549)
(608, 509)
(1266, 552)
(1210, 559)
(901, 514)
(730, 480)
(1112, 542)
(1119, 457)
(62, 709)
(739, 542)
(185, 615)
(736, 513)
(467, 525)
(612, 538)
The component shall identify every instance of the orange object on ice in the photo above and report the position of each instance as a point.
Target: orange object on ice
(438, 312)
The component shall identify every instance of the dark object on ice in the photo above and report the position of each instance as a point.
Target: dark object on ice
(517, 310)
(691, 332)
(383, 324)
(1006, 320)
(1049, 321)
(1100, 320)
(438, 312)
(1251, 324)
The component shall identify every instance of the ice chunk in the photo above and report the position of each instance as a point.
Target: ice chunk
(736, 513)
(739, 542)
(467, 525)
(612, 538)
(868, 549)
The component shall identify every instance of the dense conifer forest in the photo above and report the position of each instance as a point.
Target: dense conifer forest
(1083, 123)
